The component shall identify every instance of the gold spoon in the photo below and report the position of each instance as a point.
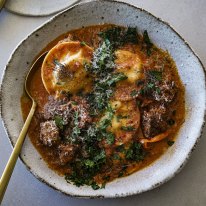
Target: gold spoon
(2, 2)
(17, 148)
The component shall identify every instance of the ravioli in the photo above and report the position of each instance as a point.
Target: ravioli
(130, 64)
(63, 68)
(125, 121)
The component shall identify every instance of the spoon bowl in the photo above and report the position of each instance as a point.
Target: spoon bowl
(36, 65)
(17, 148)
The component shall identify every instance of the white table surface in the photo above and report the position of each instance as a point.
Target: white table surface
(188, 188)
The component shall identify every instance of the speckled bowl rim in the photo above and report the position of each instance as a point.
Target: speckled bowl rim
(101, 196)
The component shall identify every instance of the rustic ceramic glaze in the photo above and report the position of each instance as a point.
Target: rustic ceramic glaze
(98, 12)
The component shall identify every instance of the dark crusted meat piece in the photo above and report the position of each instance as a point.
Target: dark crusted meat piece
(65, 109)
(49, 133)
(66, 153)
(166, 93)
(154, 120)
(57, 107)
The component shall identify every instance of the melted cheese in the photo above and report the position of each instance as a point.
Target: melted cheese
(63, 68)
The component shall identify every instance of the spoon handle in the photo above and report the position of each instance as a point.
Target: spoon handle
(15, 153)
(2, 2)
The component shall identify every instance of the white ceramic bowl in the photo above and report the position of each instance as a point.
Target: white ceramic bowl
(98, 12)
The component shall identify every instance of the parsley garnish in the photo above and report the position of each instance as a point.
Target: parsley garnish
(134, 93)
(102, 68)
(110, 138)
(122, 117)
(148, 43)
(116, 157)
(103, 59)
(59, 122)
(119, 36)
(127, 128)
(123, 171)
(153, 78)
(76, 130)
(155, 75)
(82, 43)
(135, 152)
(104, 123)
(170, 142)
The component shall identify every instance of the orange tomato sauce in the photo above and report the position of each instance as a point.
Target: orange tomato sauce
(155, 150)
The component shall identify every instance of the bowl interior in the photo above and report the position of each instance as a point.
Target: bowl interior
(99, 12)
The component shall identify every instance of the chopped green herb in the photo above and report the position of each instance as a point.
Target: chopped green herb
(83, 43)
(75, 179)
(116, 157)
(120, 148)
(131, 35)
(100, 157)
(76, 130)
(103, 59)
(102, 67)
(95, 186)
(135, 152)
(110, 138)
(171, 122)
(148, 43)
(74, 103)
(112, 80)
(155, 75)
(106, 178)
(106, 121)
(119, 36)
(91, 132)
(123, 171)
(170, 142)
(134, 93)
(113, 35)
(158, 90)
(85, 170)
(89, 163)
(138, 103)
(150, 85)
(59, 122)
(127, 128)
(122, 117)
